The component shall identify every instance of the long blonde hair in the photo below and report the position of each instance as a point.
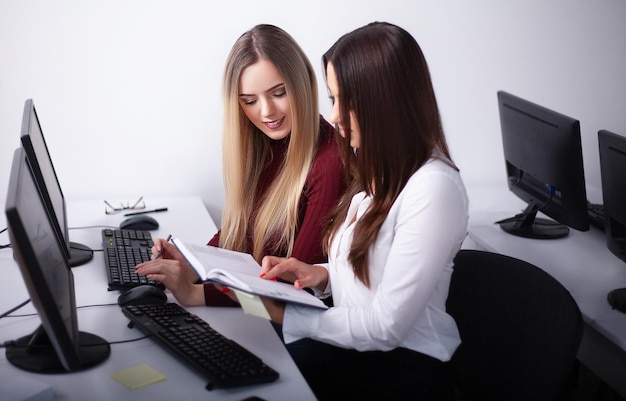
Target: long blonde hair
(246, 149)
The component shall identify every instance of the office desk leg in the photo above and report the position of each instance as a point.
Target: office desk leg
(605, 359)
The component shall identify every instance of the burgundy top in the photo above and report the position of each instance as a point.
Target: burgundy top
(322, 189)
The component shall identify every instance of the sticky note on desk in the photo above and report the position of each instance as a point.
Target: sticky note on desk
(252, 304)
(138, 376)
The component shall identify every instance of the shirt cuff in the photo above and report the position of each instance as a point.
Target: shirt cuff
(300, 322)
(328, 290)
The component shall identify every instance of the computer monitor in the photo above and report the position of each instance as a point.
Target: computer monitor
(56, 345)
(612, 169)
(41, 164)
(544, 168)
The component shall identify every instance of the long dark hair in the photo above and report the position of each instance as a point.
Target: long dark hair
(383, 79)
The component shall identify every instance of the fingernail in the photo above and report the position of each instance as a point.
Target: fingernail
(225, 290)
(262, 275)
(273, 279)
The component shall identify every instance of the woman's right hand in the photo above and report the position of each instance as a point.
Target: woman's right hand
(169, 251)
(165, 248)
(174, 272)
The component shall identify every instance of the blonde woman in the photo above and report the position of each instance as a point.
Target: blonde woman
(282, 168)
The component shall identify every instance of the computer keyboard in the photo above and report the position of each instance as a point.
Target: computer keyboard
(596, 215)
(123, 250)
(224, 362)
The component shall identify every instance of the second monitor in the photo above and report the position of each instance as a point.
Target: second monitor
(612, 149)
(41, 165)
(544, 167)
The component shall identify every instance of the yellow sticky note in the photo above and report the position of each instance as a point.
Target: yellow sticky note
(252, 304)
(138, 376)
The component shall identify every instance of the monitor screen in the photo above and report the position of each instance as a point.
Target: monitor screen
(544, 167)
(612, 166)
(57, 345)
(47, 181)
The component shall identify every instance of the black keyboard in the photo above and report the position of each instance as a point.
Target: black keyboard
(224, 362)
(123, 250)
(596, 215)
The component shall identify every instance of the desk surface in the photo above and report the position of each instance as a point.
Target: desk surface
(186, 218)
(581, 262)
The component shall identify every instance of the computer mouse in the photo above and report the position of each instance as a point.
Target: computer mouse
(617, 299)
(142, 295)
(140, 222)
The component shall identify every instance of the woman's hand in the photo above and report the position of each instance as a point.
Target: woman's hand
(302, 275)
(172, 270)
(168, 251)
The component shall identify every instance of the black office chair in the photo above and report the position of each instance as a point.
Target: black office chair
(520, 330)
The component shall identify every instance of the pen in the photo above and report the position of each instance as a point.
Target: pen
(162, 209)
(158, 255)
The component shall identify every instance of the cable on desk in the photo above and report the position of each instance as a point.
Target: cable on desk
(95, 305)
(128, 341)
(35, 346)
(5, 314)
(36, 314)
(85, 227)
(14, 309)
(81, 249)
(4, 245)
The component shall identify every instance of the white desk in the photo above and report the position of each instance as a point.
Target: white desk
(581, 262)
(186, 218)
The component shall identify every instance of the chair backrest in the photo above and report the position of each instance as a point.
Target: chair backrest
(520, 329)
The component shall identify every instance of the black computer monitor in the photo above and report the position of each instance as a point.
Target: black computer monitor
(613, 169)
(56, 345)
(544, 167)
(41, 164)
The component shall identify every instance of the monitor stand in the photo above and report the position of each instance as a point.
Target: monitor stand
(79, 254)
(35, 353)
(527, 225)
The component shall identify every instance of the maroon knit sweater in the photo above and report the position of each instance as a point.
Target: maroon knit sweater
(322, 189)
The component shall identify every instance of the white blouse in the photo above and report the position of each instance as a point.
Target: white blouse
(410, 265)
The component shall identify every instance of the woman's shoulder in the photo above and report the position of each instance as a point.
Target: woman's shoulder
(327, 133)
(327, 143)
(327, 162)
(436, 174)
(436, 178)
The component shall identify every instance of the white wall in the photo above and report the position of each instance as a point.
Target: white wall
(134, 87)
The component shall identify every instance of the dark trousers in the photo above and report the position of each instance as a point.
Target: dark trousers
(400, 374)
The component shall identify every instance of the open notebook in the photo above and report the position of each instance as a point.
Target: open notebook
(240, 271)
